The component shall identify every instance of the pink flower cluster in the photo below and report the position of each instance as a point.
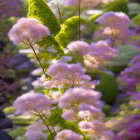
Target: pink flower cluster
(96, 54)
(34, 131)
(28, 102)
(67, 134)
(79, 46)
(80, 103)
(96, 129)
(72, 75)
(83, 3)
(78, 96)
(115, 26)
(130, 77)
(27, 30)
(87, 3)
(84, 105)
(129, 128)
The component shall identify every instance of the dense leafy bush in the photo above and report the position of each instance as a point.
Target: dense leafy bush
(108, 87)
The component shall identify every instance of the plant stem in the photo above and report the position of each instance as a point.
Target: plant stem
(79, 13)
(46, 125)
(41, 117)
(46, 119)
(37, 58)
(58, 7)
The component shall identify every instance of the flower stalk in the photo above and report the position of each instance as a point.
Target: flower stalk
(79, 14)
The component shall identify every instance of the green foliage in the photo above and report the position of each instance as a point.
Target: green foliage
(134, 9)
(124, 100)
(17, 132)
(9, 110)
(69, 31)
(20, 120)
(50, 137)
(117, 69)
(126, 53)
(49, 41)
(39, 9)
(56, 119)
(117, 5)
(108, 87)
(136, 19)
(138, 87)
(44, 53)
(106, 109)
(91, 27)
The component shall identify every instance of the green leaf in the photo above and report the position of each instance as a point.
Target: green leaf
(56, 119)
(116, 5)
(69, 31)
(49, 43)
(136, 19)
(50, 137)
(40, 10)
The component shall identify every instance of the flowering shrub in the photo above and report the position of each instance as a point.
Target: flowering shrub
(127, 123)
(129, 78)
(69, 105)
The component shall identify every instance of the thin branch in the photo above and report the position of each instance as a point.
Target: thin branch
(31, 45)
(59, 12)
(79, 13)
(40, 116)
(46, 119)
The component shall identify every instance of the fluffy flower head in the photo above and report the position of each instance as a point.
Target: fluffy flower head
(114, 19)
(67, 74)
(34, 131)
(30, 101)
(79, 95)
(68, 134)
(79, 46)
(27, 30)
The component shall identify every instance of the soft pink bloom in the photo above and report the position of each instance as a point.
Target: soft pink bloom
(114, 19)
(56, 95)
(68, 134)
(37, 72)
(116, 27)
(69, 115)
(34, 131)
(65, 59)
(28, 102)
(93, 129)
(27, 30)
(72, 75)
(79, 46)
(100, 55)
(37, 83)
(108, 135)
(95, 113)
(107, 1)
(103, 50)
(84, 3)
(79, 95)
